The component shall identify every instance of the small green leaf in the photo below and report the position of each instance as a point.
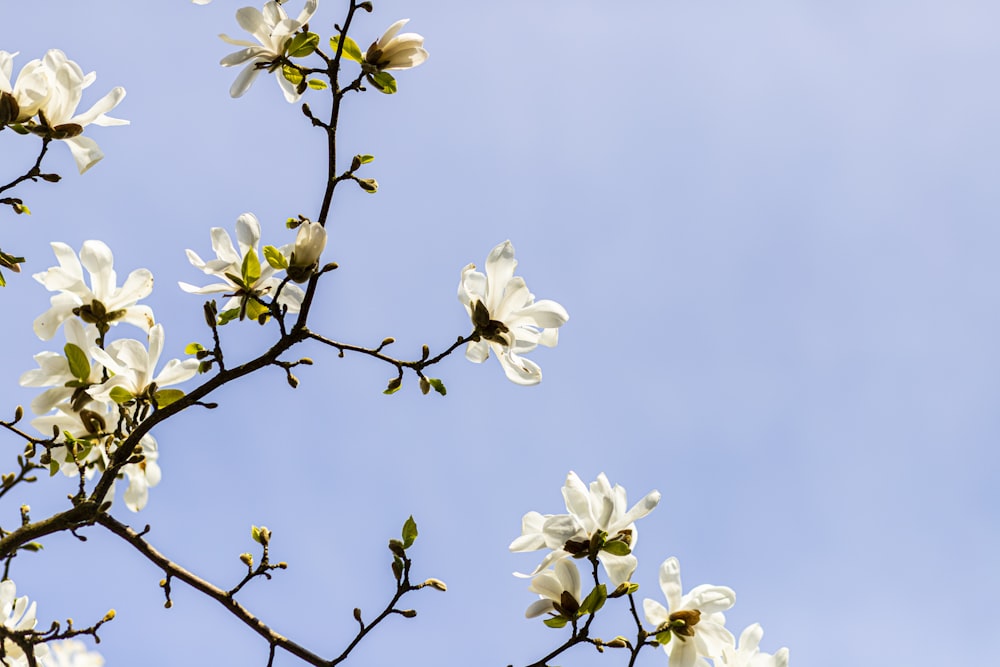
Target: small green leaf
(121, 395)
(302, 44)
(351, 49)
(193, 348)
(292, 74)
(383, 81)
(53, 468)
(165, 397)
(663, 637)
(316, 84)
(394, 386)
(365, 159)
(556, 622)
(275, 258)
(409, 532)
(255, 309)
(250, 268)
(227, 316)
(438, 386)
(617, 548)
(595, 600)
(79, 364)
(3, 281)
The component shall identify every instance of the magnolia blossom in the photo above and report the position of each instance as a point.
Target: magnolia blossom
(70, 653)
(599, 509)
(551, 585)
(273, 29)
(395, 51)
(52, 88)
(132, 367)
(229, 264)
(103, 303)
(141, 476)
(16, 615)
(695, 621)
(506, 316)
(310, 241)
(54, 371)
(748, 654)
(85, 424)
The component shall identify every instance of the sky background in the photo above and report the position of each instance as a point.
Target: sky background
(773, 224)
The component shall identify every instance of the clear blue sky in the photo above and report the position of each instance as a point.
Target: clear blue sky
(774, 226)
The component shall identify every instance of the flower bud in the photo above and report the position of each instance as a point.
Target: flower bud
(309, 245)
(436, 584)
(247, 559)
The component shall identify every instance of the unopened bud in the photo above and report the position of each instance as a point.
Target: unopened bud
(309, 245)
(387, 341)
(436, 584)
(168, 604)
(282, 565)
(408, 613)
(247, 559)
(110, 616)
(617, 642)
(18, 413)
(369, 185)
(163, 583)
(357, 614)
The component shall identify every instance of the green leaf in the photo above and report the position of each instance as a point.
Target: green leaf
(663, 637)
(394, 386)
(121, 395)
(316, 84)
(79, 364)
(3, 281)
(292, 74)
(617, 548)
(409, 532)
(255, 309)
(351, 49)
(275, 258)
(165, 397)
(438, 386)
(227, 316)
(556, 622)
(193, 348)
(365, 159)
(53, 468)
(595, 600)
(384, 82)
(251, 268)
(302, 44)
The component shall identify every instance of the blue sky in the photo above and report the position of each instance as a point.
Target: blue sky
(773, 226)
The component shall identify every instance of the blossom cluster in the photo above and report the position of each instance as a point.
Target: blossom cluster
(600, 527)
(18, 616)
(43, 100)
(97, 390)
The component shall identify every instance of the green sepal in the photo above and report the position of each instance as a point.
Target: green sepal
(292, 74)
(438, 386)
(384, 82)
(317, 84)
(121, 395)
(617, 548)
(165, 397)
(556, 622)
(302, 44)
(193, 348)
(79, 364)
(275, 258)
(351, 49)
(595, 600)
(409, 532)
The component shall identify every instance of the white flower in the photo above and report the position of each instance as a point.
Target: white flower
(141, 476)
(85, 425)
(54, 371)
(599, 509)
(132, 369)
(551, 585)
(70, 653)
(695, 621)
(310, 242)
(395, 51)
(103, 303)
(748, 653)
(506, 316)
(229, 265)
(273, 30)
(17, 615)
(52, 88)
